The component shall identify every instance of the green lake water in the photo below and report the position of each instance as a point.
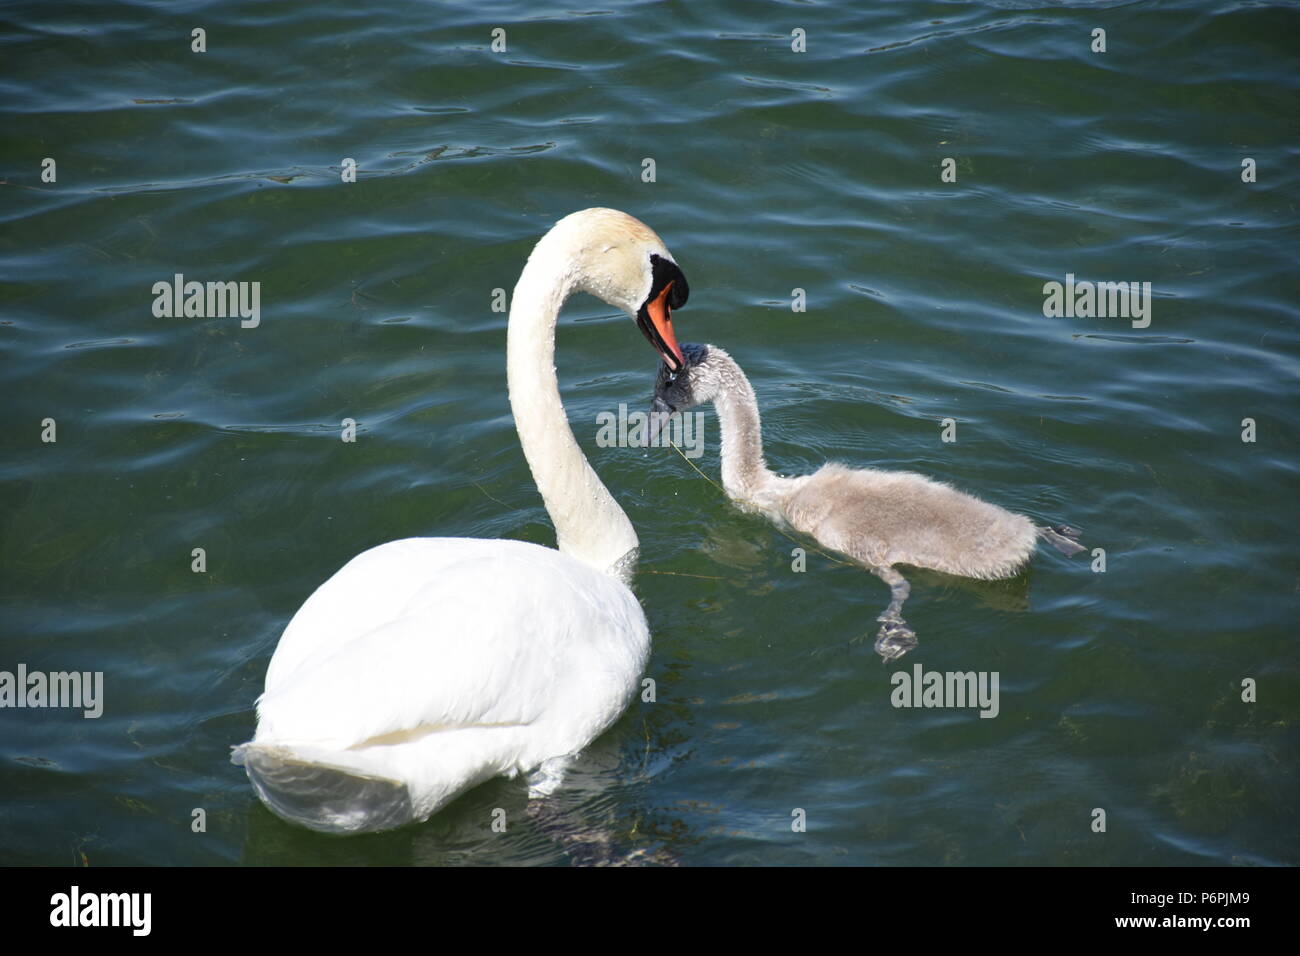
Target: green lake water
(774, 170)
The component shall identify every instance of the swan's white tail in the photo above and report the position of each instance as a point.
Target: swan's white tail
(323, 790)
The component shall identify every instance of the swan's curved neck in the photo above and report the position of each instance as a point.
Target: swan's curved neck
(589, 524)
(745, 475)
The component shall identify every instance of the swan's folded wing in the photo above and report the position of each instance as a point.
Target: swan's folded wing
(490, 641)
(374, 588)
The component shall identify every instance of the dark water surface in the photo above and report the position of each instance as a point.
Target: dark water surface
(775, 170)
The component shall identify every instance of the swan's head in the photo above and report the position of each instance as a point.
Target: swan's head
(618, 258)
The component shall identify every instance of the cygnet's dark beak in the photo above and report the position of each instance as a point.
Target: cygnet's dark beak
(659, 412)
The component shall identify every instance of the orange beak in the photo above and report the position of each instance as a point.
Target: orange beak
(656, 323)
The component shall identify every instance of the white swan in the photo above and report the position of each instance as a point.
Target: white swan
(879, 518)
(428, 665)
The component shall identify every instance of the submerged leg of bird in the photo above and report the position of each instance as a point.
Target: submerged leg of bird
(547, 778)
(588, 844)
(895, 638)
(1065, 539)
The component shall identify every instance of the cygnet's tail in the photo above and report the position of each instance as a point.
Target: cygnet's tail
(326, 790)
(1063, 538)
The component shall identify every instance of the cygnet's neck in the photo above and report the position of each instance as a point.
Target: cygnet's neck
(745, 475)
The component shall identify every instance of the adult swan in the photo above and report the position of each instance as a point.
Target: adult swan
(429, 665)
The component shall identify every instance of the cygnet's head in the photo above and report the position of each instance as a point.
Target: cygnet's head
(618, 258)
(696, 384)
(708, 373)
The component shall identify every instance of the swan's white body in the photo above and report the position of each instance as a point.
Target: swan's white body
(437, 664)
(429, 665)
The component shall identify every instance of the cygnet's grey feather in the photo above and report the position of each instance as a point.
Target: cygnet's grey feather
(877, 517)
